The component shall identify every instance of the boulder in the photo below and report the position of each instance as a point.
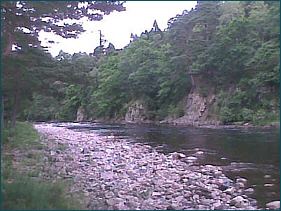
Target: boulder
(249, 191)
(242, 180)
(274, 205)
(239, 202)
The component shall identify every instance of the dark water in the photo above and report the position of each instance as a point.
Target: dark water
(245, 152)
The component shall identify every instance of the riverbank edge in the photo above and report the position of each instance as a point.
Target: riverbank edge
(177, 157)
(123, 122)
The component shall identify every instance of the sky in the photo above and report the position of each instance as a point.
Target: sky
(118, 26)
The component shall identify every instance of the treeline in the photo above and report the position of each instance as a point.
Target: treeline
(231, 48)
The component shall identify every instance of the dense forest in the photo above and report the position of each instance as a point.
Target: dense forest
(228, 50)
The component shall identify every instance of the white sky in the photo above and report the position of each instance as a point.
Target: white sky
(118, 26)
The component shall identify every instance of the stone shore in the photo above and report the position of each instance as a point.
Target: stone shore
(116, 174)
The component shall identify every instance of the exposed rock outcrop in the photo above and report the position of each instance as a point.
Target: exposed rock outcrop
(80, 114)
(137, 112)
(197, 110)
(197, 106)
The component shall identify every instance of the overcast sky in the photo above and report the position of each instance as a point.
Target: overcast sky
(118, 26)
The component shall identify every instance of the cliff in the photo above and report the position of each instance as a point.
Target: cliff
(198, 105)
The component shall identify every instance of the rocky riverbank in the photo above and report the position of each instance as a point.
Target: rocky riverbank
(115, 174)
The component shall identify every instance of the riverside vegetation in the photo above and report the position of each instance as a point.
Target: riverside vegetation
(25, 184)
(216, 64)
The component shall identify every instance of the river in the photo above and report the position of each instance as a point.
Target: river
(252, 153)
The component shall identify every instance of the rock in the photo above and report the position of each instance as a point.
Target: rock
(114, 201)
(242, 180)
(199, 153)
(217, 173)
(156, 194)
(175, 155)
(181, 155)
(268, 185)
(249, 191)
(230, 190)
(107, 167)
(85, 150)
(240, 185)
(191, 159)
(80, 114)
(136, 112)
(202, 207)
(216, 205)
(253, 201)
(274, 205)
(122, 206)
(46, 159)
(107, 175)
(239, 202)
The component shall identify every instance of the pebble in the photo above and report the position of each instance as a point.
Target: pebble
(118, 174)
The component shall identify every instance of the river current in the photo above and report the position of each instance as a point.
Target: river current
(252, 153)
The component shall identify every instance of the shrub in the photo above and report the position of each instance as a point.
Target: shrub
(226, 115)
(247, 114)
(259, 117)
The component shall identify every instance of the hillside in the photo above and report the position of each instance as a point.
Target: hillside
(216, 64)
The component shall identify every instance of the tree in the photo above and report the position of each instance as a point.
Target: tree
(28, 18)
(21, 22)
(19, 79)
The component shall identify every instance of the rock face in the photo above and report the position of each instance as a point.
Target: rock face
(197, 107)
(136, 112)
(196, 111)
(122, 175)
(80, 114)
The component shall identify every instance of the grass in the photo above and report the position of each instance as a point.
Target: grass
(26, 193)
(22, 186)
(22, 137)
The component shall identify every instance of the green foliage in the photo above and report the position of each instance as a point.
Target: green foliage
(110, 95)
(247, 114)
(21, 190)
(26, 193)
(227, 115)
(22, 136)
(232, 47)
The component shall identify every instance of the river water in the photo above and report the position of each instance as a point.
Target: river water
(252, 153)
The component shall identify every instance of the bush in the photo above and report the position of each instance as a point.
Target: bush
(226, 115)
(259, 117)
(247, 114)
